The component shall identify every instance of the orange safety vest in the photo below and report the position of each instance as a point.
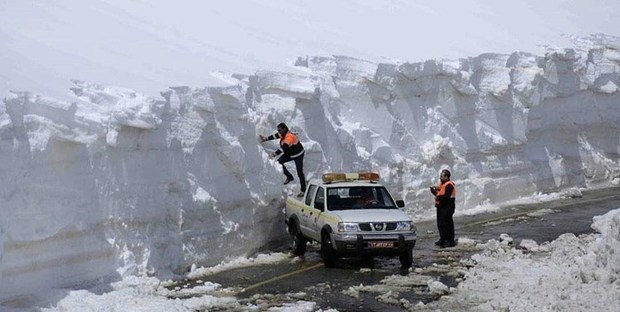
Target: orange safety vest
(442, 191)
(294, 146)
(289, 139)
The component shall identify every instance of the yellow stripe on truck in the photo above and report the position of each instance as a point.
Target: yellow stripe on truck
(295, 204)
(328, 217)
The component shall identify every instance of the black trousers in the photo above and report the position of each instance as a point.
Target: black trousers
(299, 165)
(445, 224)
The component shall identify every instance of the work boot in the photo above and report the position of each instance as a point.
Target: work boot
(439, 243)
(301, 194)
(450, 244)
(287, 181)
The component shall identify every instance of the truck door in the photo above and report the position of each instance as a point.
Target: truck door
(318, 207)
(305, 212)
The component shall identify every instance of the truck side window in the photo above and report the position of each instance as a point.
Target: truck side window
(319, 200)
(311, 190)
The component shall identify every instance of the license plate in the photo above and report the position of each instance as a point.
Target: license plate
(380, 244)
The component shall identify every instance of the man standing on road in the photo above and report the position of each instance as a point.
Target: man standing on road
(445, 195)
(291, 149)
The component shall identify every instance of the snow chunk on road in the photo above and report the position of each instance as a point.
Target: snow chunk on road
(570, 274)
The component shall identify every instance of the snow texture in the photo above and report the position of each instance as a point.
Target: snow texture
(115, 183)
(569, 274)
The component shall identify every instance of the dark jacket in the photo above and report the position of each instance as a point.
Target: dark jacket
(289, 145)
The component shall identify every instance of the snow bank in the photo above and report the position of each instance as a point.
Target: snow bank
(569, 274)
(116, 183)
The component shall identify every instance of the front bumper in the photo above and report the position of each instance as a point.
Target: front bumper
(362, 244)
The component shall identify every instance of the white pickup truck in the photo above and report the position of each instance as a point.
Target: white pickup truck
(350, 214)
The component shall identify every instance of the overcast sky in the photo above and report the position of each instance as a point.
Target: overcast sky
(150, 45)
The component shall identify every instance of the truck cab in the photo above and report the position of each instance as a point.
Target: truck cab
(350, 214)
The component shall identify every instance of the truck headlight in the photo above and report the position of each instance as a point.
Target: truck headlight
(347, 227)
(405, 226)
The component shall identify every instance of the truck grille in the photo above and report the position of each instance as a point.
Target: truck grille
(377, 226)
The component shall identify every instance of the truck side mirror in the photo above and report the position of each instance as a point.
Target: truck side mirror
(400, 203)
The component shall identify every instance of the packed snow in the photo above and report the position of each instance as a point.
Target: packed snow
(116, 190)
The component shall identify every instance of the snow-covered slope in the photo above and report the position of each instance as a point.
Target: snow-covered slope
(116, 183)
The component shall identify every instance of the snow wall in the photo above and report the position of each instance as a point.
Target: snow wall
(117, 183)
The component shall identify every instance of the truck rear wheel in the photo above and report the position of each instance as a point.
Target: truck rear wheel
(298, 241)
(327, 251)
(406, 257)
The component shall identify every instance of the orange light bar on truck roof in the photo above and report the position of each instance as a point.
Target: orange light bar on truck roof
(370, 176)
(332, 177)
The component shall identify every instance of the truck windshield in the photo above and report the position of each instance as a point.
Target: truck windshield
(359, 197)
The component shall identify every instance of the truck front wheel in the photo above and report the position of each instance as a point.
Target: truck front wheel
(327, 251)
(298, 241)
(406, 257)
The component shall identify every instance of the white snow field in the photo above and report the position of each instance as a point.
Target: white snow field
(151, 45)
(116, 183)
(121, 188)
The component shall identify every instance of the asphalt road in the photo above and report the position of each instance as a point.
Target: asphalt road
(345, 287)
